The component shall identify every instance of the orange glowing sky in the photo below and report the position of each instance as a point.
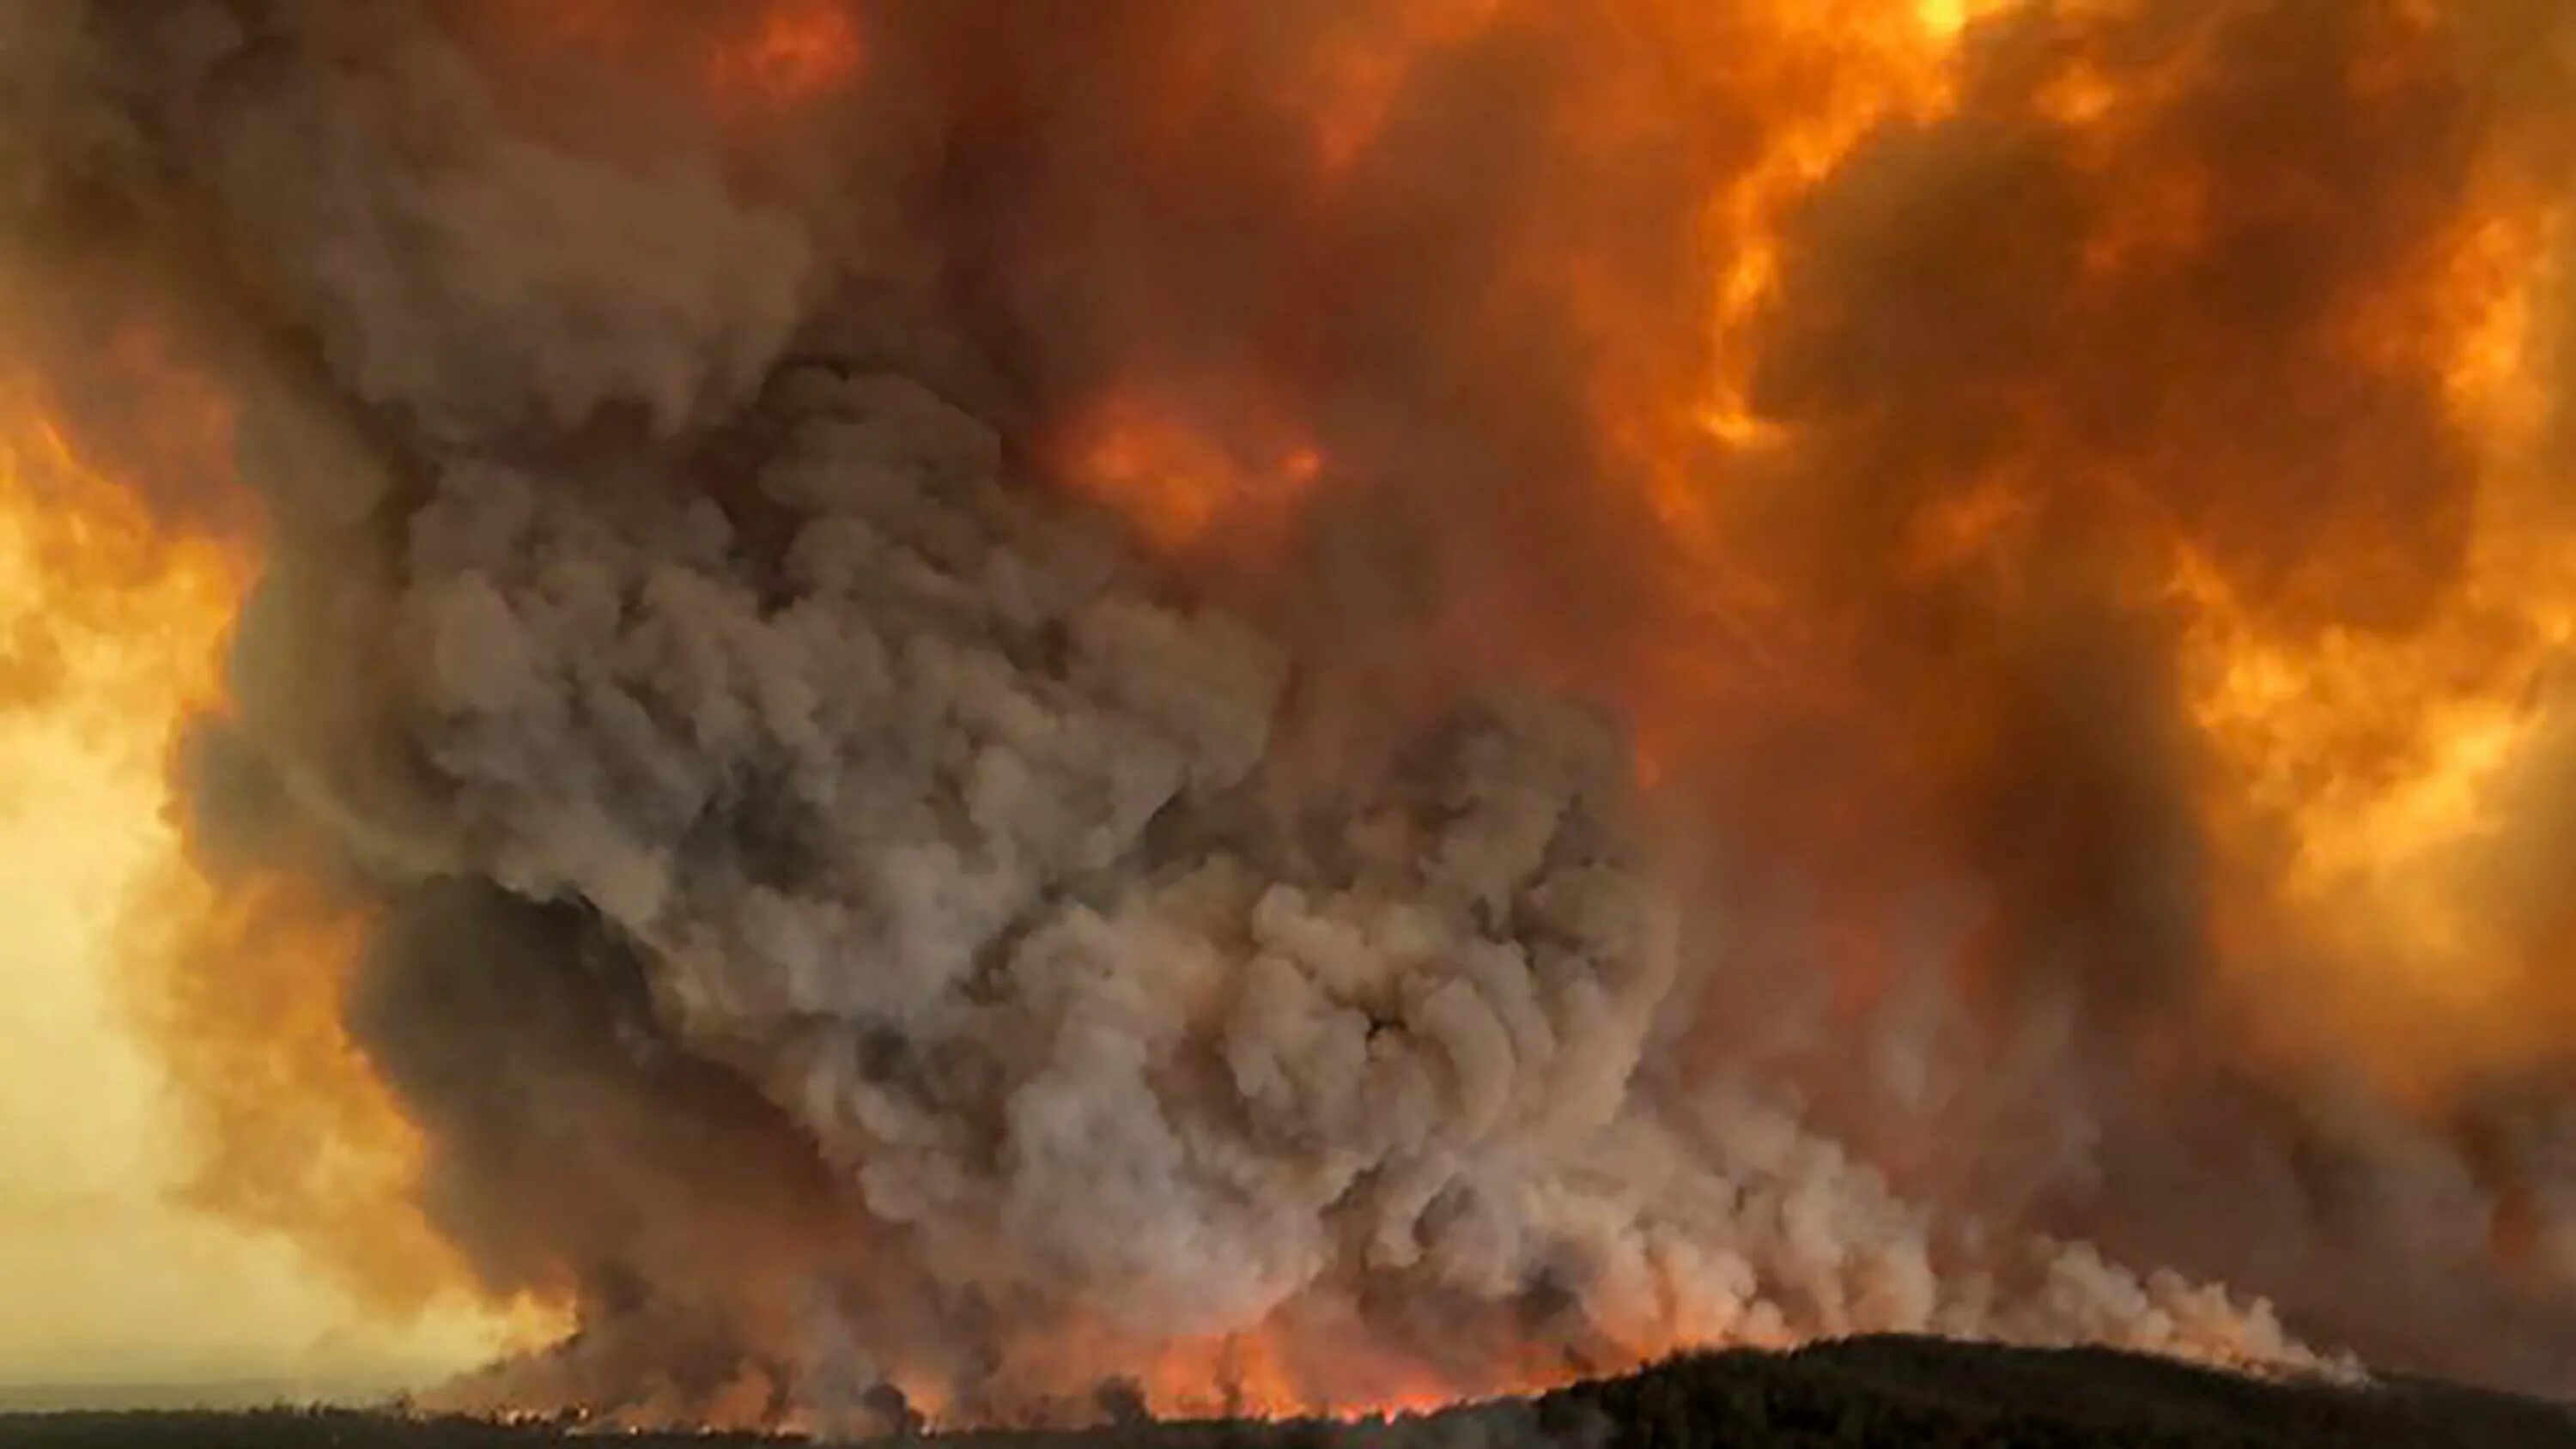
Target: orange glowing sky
(107, 1281)
(2376, 764)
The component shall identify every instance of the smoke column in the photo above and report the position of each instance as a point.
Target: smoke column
(1328, 704)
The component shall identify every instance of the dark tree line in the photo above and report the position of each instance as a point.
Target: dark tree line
(1867, 1394)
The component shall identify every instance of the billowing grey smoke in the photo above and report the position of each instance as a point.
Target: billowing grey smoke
(847, 923)
(926, 821)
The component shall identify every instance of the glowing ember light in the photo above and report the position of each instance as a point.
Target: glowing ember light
(2394, 760)
(754, 60)
(1944, 20)
(1174, 483)
(1842, 73)
(1357, 77)
(793, 51)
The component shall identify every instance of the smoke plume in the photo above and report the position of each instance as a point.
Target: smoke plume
(1328, 704)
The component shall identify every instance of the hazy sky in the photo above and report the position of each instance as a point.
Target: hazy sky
(101, 1279)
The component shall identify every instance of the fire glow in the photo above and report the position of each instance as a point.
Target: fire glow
(1750, 659)
(790, 53)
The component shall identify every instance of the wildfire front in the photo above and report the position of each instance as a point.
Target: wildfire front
(896, 713)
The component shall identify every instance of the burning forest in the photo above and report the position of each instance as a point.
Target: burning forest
(905, 712)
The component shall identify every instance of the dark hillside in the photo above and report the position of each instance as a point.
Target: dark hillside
(1885, 1393)
(1917, 1392)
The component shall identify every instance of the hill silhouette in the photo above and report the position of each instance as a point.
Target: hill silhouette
(1860, 1394)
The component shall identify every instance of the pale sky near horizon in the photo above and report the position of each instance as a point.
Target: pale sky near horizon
(103, 1279)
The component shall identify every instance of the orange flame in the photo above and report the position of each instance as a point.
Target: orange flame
(113, 615)
(2364, 777)
(116, 625)
(1175, 484)
(753, 59)
(791, 52)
